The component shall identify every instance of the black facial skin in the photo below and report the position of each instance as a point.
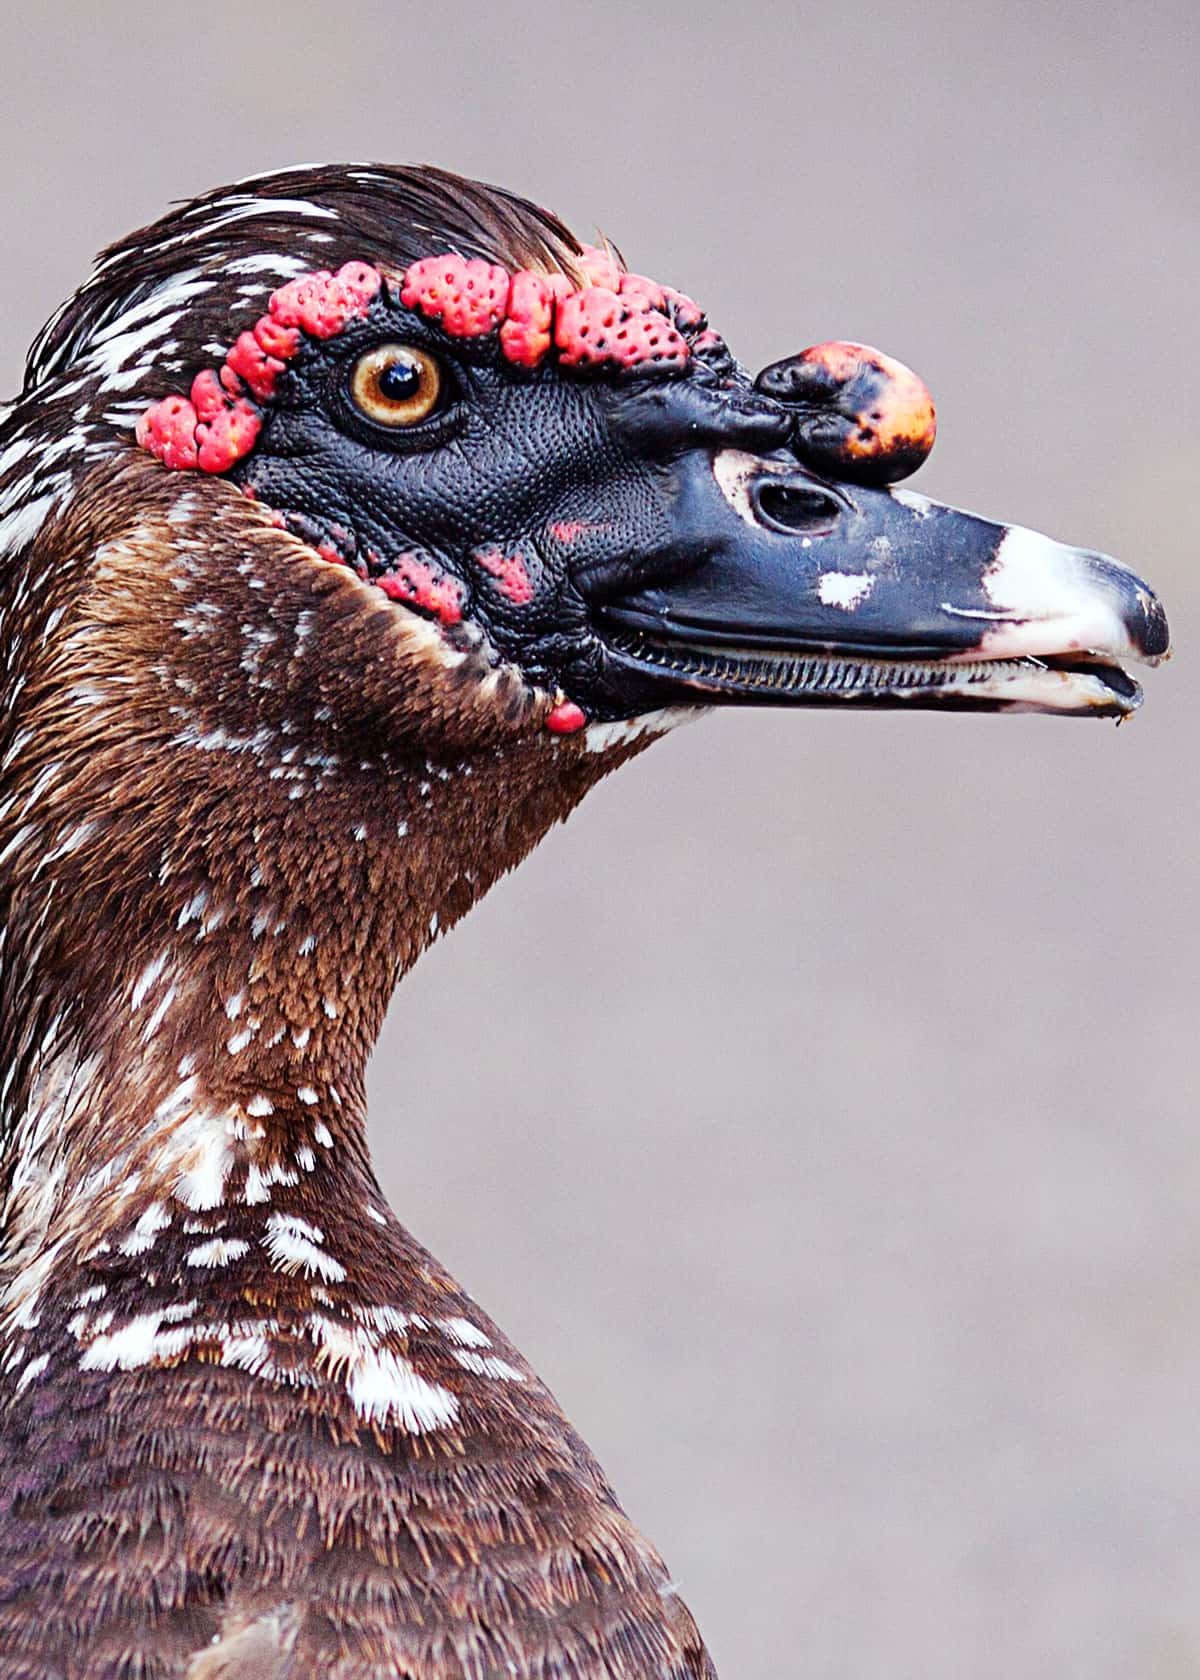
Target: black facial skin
(509, 461)
(604, 487)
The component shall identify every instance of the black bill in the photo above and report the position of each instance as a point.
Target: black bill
(813, 592)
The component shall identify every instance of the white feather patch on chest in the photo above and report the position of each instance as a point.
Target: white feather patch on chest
(295, 1246)
(383, 1385)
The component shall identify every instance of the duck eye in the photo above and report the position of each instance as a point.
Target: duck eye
(396, 385)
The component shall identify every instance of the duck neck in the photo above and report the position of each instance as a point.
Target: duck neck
(207, 1070)
(241, 795)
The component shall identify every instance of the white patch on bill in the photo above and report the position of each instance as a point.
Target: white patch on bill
(847, 590)
(913, 500)
(736, 471)
(1059, 601)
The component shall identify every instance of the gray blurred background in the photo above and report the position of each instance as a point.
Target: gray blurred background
(820, 1118)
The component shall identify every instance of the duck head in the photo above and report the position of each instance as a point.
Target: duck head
(564, 472)
(365, 507)
(358, 520)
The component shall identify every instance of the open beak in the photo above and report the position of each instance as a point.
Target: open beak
(811, 591)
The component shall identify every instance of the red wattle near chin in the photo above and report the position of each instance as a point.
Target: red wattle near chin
(566, 718)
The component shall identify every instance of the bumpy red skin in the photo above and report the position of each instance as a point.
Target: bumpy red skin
(619, 321)
(220, 423)
(684, 311)
(168, 430)
(600, 267)
(525, 335)
(597, 328)
(250, 363)
(468, 297)
(320, 304)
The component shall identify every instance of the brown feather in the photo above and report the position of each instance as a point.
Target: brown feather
(190, 1485)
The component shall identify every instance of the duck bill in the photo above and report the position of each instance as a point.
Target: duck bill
(814, 592)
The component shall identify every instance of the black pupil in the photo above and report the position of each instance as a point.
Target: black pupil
(399, 381)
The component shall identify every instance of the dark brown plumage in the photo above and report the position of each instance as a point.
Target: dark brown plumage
(148, 1510)
(185, 1516)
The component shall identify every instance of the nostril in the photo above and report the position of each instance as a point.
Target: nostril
(794, 507)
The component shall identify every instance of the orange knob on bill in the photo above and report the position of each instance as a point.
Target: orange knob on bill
(860, 414)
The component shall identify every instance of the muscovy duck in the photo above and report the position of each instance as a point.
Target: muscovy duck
(354, 522)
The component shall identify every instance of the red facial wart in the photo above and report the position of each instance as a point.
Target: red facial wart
(419, 583)
(615, 320)
(511, 575)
